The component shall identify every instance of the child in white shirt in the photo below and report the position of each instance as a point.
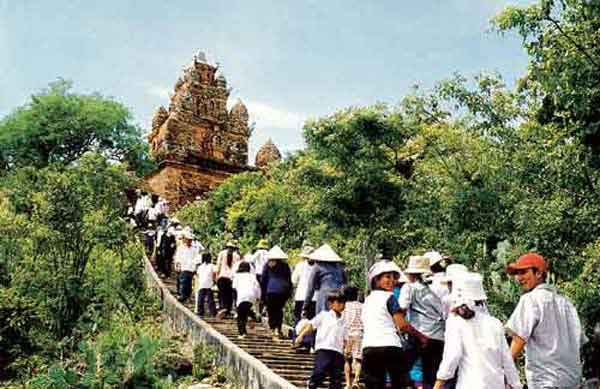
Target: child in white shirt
(205, 280)
(330, 327)
(248, 293)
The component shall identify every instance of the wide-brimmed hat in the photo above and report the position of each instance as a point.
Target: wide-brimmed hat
(528, 261)
(380, 268)
(434, 257)
(306, 251)
(187, 234)
(417, 264)
(467, 287)
(453, 271)
(325, 254)
(263, 244)
(232, 243)
(276, 253)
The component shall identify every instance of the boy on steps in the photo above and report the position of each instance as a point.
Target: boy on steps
(248, 293)
(329, 358)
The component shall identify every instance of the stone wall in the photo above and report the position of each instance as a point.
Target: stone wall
(252, 372)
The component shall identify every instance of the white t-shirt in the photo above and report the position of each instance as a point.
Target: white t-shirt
(247, 287)
(152, 213)
(205, 276)
(379, 329)
(478, 348)
(187, 257)
(300, 278)
(259, 259)
(330, 331)
(550, 326)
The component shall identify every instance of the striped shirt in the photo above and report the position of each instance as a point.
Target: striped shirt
(352, 318)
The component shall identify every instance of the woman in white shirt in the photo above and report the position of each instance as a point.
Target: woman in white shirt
(475, 342)
(227, 262)
(384, 349)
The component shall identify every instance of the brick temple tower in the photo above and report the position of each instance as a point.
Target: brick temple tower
(197, 142)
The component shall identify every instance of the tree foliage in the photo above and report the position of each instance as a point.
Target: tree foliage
(66, 254)
(59, 126)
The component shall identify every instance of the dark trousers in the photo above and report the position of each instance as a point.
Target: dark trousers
(185, 285)
(244, 311)
(168, 264)
(327, 363)
(206, 294)
(225, 294)
(298, 304)
(431, 357)
(393, 360)
(275, 304)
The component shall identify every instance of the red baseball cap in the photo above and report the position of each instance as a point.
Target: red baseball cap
(528, 261)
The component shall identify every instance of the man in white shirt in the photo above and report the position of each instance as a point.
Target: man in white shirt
(547, 326)
(186, 261)
(330, 327)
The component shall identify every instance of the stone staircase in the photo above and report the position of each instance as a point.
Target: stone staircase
(293, 366)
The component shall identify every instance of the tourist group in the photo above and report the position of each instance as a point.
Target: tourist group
(424, 326)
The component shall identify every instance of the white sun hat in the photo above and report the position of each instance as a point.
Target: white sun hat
(325, 254)
(454, 270)
(382, 267)
(435, 257)
(276, 253)
(417, 264)
(467, 288)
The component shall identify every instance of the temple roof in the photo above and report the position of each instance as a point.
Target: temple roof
(267, 154)
(239, 109)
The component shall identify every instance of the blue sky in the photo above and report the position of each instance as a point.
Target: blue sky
(287, 60)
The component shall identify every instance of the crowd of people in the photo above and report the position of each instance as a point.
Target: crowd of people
(424, 326)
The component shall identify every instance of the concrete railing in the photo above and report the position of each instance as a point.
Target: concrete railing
(252, 372)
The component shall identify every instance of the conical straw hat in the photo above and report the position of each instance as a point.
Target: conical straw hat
(276, 253)
(325, 254)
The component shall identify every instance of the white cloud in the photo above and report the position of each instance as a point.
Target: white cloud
(268, 116)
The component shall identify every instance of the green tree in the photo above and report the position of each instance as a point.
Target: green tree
(59, 126)
(561, 38)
